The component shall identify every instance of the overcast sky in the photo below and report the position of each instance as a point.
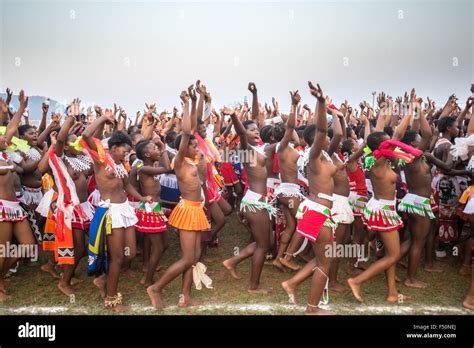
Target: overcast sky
(131, 52)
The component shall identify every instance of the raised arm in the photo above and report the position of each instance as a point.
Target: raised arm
(406, 120)
(337, 132)
(55, 122)
(291, 123)
(73, 111)
(193, 120)
(44, 109)
(201, 90)
(255, 109)
(462, 115)
(14, 123)
(207, 108)
(239, 127)
(449, 106)
(98, 123)
(217, 125)
(3, 111)
(470, 127)
(425, 131)
(186, 125)
(382, 103)
(320, 120)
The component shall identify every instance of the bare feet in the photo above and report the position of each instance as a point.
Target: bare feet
(65, 288)
(355, 289)
(290, 290)
(403, 263)
(75, 281)
(397, 279)
(49, 268)
(2, 287)
(3, 297)
(279, 265)
(338, 287)
(291, 264)
(398, 298)
(352, 270)
(128, 273)
(155, 297)
(417, 284)
(469, 302)
(317, 311)
(189, 303)
(231, 268)
(144, 282)
(433, 269)
(158, 269)
(100, 283)
(259, 291)
(465, 270)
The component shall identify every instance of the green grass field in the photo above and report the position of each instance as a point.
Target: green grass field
(35, 292)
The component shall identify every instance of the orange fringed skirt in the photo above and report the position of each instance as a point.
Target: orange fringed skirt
(189, 216)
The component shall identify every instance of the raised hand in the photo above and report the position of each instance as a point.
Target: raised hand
(53, 136)
(472, 88)
(306, 107)
(268, 109)
(469, 102)
(381, 100)
(9, 96)
(98, 110)
(295, 98)
(252, 88)
(45, 107)
(3, 106)
(185, 96)
(405, 98)
(56, 119)
(192, 93)
(151, 108)
(275, 104)
(75, 108)
(23, 100)
(201, 89)
(109, 115)
(316, 91)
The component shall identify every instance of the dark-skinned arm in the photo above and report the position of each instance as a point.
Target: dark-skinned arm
(239, 127)
(291, 123)
(337, 132)
(320, 121)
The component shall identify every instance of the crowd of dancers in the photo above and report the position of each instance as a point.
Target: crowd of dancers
(393, 177)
